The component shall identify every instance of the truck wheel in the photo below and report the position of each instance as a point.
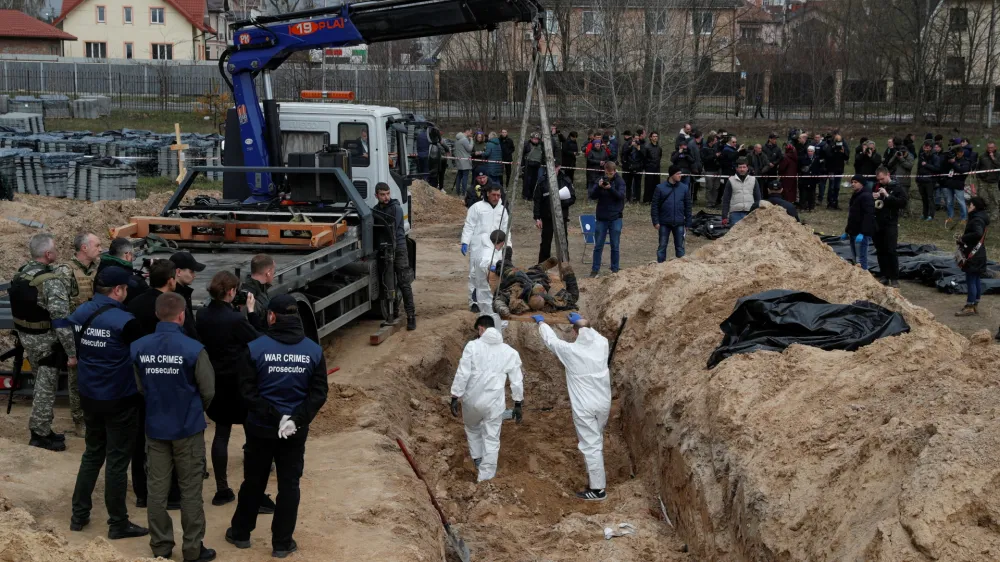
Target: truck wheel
(308, 317)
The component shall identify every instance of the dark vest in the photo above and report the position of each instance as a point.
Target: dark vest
(283, 372)
(165, 360)
(29, 316)
(104, 369)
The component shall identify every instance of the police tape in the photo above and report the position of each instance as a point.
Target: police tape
(723, 176)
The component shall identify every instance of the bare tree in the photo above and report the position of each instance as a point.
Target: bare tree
(31, 7)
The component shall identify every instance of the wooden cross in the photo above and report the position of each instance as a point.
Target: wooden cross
(179, 148)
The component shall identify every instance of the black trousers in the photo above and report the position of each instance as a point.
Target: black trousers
(404, 279)
(109, 438)
(530, 179)
(886, 237)
(506, 174)
(288, 456)
(545, 248)
(633, 186)
(650, 182)
(927, 198)
(807, 193)
(139, 485)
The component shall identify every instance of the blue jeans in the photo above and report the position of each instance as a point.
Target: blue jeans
(952, 196)
(939, 197)
(602, 229)
(860, 252)
(462, 181)
(665, 232)
(974, 283)
(736, 217)
(833, 192)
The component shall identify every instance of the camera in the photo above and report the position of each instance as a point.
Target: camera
(241, 297)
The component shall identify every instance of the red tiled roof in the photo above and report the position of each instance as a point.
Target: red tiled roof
(20, 24)
(754, 14)
(192, 10)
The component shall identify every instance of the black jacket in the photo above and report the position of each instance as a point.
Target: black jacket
(287, 330)
(861, 214)
(651, 156)
(975, 229)
(140, 282)
(225, 334)
(186, 292)
(838, 158)
(759, 164)
(632, 156)
(928, 164)
(888, 215)
(569, 150)
(683, 160)
(776, 199)
(143, 307)
(866, 165)
(774, 155)
(961, 168)
(507, 148)
(542, 207)
(709, 160)
(261, 296)
(393, 211)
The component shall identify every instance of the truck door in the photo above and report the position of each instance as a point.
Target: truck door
(366, 156)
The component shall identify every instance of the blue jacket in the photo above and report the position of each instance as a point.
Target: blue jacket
(610, 202)
(165, 364)
(104, 369)
(493, 153)
(671, 204)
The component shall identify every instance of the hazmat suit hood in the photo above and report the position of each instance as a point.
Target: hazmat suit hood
(491, 337)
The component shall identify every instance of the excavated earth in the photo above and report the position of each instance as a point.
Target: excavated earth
(886, 453)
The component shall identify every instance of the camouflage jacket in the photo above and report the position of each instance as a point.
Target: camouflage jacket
(81, 282)
(54, 296)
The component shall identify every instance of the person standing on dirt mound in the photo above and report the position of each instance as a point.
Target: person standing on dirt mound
(283, 383)
(589, 383)
(480, 221)
(486, 365)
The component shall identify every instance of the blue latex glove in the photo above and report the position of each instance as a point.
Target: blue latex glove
(842, 236)
(465, 249)
(493, 267)
(538, 318)
(859, 238)
(574, 317)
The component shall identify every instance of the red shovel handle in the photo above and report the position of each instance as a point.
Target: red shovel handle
(413, 465)
(333, 370)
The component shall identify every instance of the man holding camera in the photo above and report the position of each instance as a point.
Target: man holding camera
(837, 160)
(890, 200)
(609, 192)
(867, 162)
(899, 161)
(632, 165)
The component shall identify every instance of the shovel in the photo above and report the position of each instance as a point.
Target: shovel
(456, 542)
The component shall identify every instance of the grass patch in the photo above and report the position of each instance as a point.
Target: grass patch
(156, 121)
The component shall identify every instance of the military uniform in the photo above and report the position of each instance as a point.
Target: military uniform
(40, 305)
(81, 290)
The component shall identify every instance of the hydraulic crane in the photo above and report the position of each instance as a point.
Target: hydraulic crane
(262, 44)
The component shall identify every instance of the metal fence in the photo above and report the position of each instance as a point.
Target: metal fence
(488, 97)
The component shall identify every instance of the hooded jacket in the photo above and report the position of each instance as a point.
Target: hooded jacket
(542, 208)
(671, 205)
(486, 365)
(861, 214)
(975, 229)
(587, 376)
(462, 152)
(494, 156)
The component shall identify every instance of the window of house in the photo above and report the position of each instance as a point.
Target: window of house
(658, 22)
(593, 23)
(156, 16)
(96, 50)
(958, 19)
(101, 13)
(551, 63)
(551, 23)
(162, 51)
(354, 138)
(955, 68)
(703, 23)
(128, 50)
(750, 33)
(127, 14)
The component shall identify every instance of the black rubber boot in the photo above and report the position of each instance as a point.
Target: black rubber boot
(411, 323)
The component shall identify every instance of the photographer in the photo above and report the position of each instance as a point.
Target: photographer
(609, 192)
(683, 160)
(899, 162)
(710, 166)
(839, 155)
(890, 200)
(632, 166)
(225, 333)
(867, 162)
(929, 165)
(652, 153)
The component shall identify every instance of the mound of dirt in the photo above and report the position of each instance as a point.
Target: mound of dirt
(65, 218)
(21, 540)
(886, 453)
(431, 206)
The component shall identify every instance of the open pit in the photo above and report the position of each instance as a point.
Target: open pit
(887, 453)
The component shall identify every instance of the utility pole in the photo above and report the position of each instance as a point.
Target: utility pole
(991, 93)
(562, 251)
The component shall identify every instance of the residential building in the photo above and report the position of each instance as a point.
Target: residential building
(22, 34)
(136, 29)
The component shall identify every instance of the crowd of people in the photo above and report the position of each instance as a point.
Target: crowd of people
(144, 373)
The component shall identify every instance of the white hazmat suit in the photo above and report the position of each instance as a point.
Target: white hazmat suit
(486, 365)
(589, 383)
(480, 221)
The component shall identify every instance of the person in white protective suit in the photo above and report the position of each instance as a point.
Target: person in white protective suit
(480, 221)
(480, 382)
(481, 275)
(589, 383)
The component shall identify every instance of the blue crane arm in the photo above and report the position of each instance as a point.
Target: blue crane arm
(263, 44)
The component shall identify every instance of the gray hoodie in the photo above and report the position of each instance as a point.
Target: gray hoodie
(463, 151)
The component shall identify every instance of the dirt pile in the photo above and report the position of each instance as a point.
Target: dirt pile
(887, 453)
(21, 540)
(431, 206)
(65, 218)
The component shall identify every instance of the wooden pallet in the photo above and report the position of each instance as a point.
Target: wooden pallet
(312, 235)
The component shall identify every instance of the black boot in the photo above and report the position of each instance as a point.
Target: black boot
(411, 323)
(267, 506)
(128, 531)
(46, 443)
(206, 555)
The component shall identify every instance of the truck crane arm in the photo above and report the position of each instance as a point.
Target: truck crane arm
(262, 44)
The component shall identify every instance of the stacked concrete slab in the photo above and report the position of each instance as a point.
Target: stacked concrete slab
(23, 122)
(55, 106)
(25, 104)
(4, 100)
(101, 179)
(85, 109)
(44, 173)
